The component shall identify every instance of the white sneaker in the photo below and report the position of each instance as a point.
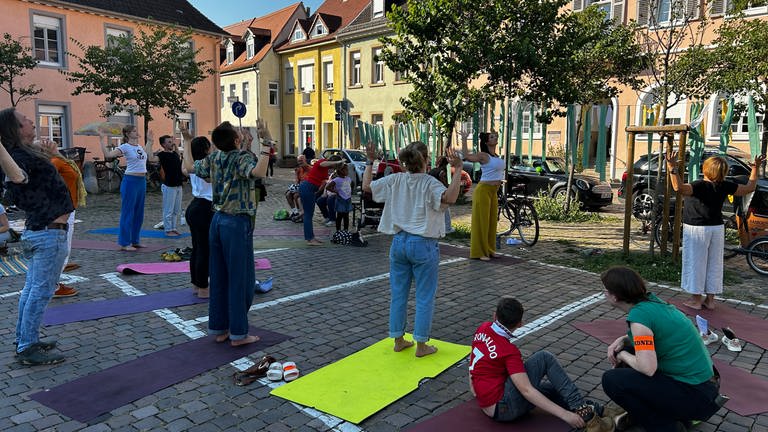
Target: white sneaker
(158, 225)
(329, 223)
(709, 338)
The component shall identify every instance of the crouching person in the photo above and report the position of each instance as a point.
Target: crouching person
(507, 388)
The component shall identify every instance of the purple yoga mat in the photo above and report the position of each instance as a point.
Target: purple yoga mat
(468, 417)
(748, 393)
(289, 232)
(112, 246)
(93, 395)
(747, 327)
(85, 311)
(175, 267)
(464, 253)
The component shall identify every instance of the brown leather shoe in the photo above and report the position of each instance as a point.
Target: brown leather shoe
(64, 291)
(71, 266)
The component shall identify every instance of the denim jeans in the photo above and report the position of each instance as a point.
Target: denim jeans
(327, 206)
(133, 191)
(412, 258)
(307, 193)
(659, 401)
(232, 274)
(171, 206)
(46, 250)
(559, 388)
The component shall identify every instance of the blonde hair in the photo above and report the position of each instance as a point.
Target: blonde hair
(414, 156)
(715, 168)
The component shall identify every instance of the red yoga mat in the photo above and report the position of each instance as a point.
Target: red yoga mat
(468, 417)
(747, 327)
(112, 246)
(175, 267)
(748, 393)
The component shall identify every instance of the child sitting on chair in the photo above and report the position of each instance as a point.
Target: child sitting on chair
(507, 388)
(342, 186)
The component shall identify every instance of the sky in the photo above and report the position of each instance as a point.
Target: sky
(226, 12)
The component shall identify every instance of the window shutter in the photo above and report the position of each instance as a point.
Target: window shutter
(643, 10)
(618, 11)
(578, 5)
(692, 9)
(717, 8)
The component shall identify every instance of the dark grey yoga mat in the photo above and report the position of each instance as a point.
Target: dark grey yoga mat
(91, 396)
(85, 311)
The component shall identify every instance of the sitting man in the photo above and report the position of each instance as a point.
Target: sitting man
(292, 194)
(507, 388)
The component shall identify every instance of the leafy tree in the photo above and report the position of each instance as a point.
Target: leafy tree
(440, 46)
(15, 60)
(738, 65)
(154, 69)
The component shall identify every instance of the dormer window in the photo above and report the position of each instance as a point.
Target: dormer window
(250, 47)
(378, 8)
(320, 30)
(230, 52)
(298, 34)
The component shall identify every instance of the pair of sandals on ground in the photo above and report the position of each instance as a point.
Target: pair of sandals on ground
(268, 367)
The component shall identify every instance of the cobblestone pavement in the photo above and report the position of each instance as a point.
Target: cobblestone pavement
(326, 327)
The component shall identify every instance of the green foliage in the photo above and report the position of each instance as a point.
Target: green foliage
(552, 209)
(460, 231)
(153, 69)
(15, 61)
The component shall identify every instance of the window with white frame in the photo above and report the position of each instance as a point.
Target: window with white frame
(739, 123)
(185, 120)
(52, 120)
(114, 34)
(320, 29)
(528, 120)
(378, 67)
(328, 75)
(377, 119)
(605, 6)
(378, 8)
(250, 47)
(298, 34)
(230, 52)
(289, 81)
(274, 94)
(124, 117)
(354, 68)
(307, 78)
(246, 89)
(223, 98)
(232, 91)
(290, 137)
(729, 7)
(48, 40)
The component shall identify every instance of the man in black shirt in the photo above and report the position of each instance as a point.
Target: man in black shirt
(173, 178)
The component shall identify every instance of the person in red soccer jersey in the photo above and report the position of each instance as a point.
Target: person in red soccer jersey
(507, 388)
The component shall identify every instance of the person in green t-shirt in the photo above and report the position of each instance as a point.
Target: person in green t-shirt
(662, 372)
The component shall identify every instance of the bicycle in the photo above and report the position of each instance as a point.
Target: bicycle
(516, 212)
(154, 181)
(109, 175)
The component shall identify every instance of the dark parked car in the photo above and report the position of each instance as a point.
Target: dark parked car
(643, 194)
(550, 176)
(469, 168)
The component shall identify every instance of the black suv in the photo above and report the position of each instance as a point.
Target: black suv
(643, 195)
(550, 176)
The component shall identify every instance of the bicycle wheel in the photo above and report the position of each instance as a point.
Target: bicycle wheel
(506, 219)
(757, 256)
(527, 223)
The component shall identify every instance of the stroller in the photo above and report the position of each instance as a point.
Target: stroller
(370, 211)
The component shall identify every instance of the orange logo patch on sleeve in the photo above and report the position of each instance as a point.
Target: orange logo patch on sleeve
(643, 343)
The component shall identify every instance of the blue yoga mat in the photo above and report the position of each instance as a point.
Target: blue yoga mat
(85, 311)
(88, 397)
(144, 233)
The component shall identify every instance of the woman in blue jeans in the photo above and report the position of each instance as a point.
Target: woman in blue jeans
(233, 174)
(37, 188)
(413, 213)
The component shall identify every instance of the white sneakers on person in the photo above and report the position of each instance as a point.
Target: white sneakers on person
(709, 338)
(730, 340)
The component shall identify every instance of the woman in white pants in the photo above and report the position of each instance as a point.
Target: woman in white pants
(703, 229)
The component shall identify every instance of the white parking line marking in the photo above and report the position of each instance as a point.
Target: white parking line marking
(556, 315)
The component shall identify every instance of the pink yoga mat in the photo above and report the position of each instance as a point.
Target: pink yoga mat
(468, 417)
(175, 267)
(747, 327)
(112, 246)
(748, 393)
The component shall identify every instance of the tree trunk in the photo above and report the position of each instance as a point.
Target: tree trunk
(572, 171)
(764, 143)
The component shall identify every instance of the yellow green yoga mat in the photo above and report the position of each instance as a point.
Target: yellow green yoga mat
(360, 385)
